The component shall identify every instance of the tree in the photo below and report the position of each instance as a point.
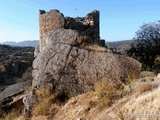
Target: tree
(146, 46)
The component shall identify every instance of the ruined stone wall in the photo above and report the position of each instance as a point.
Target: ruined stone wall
(53, 20)
(88, 24)
(93, 20)
(49, 21)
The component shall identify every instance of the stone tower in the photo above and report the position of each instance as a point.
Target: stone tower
(49, 21)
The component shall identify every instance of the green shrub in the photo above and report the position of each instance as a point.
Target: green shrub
(146, 46)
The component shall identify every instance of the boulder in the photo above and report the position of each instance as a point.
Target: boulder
(73, 70)
(77, 69)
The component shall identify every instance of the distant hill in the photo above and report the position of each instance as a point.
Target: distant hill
(29, 43)
(33, 43)
(120, 44)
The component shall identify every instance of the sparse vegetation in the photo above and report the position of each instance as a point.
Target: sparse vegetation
(14, 61)
(27, 75)
(11, 115)
(145, 87)
(97, 48)
(47, 98)
(145, 104)
(106, 92)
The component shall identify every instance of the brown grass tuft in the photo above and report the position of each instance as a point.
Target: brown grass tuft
(97, 48)
(106, 93)
(46, 100)
(145, 87)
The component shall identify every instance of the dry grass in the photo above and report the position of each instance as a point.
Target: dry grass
(97, 48)
(111, 107)
(11, 115)
(86, 105)
(46, 100)
(106, 93)
(41, 108)
(144, 104)
(145, 87)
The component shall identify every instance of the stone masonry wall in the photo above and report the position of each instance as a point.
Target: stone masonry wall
(53, 20)
(49, 21)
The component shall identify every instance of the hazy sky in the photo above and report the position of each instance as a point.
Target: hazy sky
(119, 19)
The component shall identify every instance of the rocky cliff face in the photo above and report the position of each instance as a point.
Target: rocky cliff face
(68, 66)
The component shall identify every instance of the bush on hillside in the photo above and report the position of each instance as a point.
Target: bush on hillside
(146, 46)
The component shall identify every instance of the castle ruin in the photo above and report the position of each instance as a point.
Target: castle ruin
(53, 20)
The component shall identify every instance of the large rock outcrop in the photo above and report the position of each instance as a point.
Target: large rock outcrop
(76, 70)
(69, 67)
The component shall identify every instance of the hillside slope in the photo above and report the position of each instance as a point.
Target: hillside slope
(140, 101)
